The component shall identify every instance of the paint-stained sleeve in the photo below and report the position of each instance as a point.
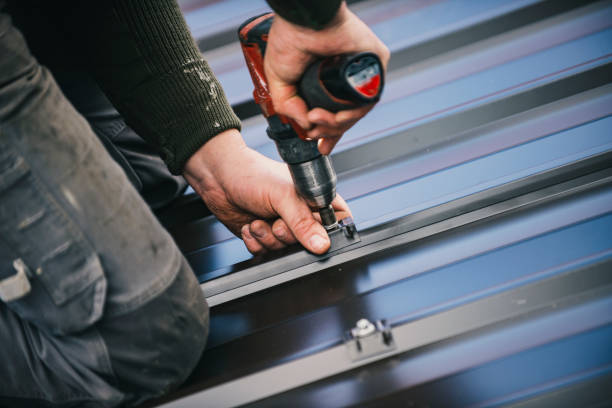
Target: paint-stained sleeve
(145, 59)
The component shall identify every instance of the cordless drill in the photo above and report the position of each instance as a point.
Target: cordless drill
(334, 83)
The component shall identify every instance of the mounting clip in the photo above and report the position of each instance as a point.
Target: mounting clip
(343, 235)
(368, 339)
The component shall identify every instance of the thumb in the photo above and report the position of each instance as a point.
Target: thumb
(287, 102)
(306, 229)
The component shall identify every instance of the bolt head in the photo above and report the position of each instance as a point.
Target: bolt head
(363, 323)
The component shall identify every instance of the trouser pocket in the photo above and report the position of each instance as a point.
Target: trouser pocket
(43, 245)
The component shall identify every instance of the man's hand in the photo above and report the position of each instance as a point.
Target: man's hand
(292, 48)
(248, 192)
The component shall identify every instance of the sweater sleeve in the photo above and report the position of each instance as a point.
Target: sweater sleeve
(145, 59)
(315, 14)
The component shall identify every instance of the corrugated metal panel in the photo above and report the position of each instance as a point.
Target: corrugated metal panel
(483, 171)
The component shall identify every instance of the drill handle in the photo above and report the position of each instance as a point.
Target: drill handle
(342, 82)
(334, 83)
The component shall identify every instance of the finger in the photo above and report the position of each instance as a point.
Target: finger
(287, 102)
(319, 116)
(262, 232)
(351, 116)
(326, 145)
(340, 205)
(295, 108)
(251, 243)
(321, 131)
(338, 129)
(302, 223)
(384, 54)
(282, 232)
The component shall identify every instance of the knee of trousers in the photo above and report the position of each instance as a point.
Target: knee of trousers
(154, 348)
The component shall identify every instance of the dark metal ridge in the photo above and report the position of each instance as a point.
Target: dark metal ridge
(250, 276)
(593, 393)
(581, 285)
(487, 315)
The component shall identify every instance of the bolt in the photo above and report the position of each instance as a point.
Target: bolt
(363, 328)
(363, 323)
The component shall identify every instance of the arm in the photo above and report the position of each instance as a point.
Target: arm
(148, 64)
(301, 32)
(144, 58)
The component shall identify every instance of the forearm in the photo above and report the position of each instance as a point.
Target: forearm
(146, 61)
(315, 14)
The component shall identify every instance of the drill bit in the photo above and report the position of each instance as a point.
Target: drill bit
(328, 218)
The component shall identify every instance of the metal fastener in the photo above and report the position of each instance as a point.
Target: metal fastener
(363, 328)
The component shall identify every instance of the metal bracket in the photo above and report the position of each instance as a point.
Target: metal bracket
(344, 235)
(368, 339)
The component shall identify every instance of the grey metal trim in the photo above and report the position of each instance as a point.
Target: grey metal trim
(512, 196)
(575, 287)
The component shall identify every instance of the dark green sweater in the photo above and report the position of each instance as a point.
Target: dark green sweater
(144, 58)
(314, 14)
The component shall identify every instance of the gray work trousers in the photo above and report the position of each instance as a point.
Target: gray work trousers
(98, 306)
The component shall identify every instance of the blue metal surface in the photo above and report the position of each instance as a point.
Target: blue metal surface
(448, 184)
(498, 367)
(434, 19)
(483, 87)
(483, 173)
(495, 51)
(472, 77)
(418, 21)
(470, 277)
(443, 99)
(541, 122)
(504, 364)
(451, 271)
(467, 92)
(553, 118)
(217, 16)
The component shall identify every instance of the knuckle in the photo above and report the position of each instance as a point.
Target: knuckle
(302, 226)
(279, 232)
(257, 229)
(255, 249)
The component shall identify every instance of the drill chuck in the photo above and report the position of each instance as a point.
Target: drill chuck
(315, 180)
(312, 173)
(328, 218)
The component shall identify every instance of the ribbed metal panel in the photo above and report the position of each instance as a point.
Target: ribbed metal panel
(483, 171)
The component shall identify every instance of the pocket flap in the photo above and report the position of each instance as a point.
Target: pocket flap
(67, 271)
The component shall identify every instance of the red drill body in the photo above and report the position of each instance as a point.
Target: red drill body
(335, 83)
